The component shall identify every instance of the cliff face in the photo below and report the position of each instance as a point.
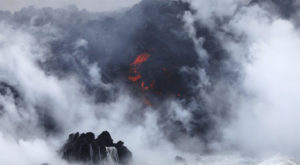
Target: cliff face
(86, 148)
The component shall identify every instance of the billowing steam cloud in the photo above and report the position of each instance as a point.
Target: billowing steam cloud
(261, 36)
(169, 78)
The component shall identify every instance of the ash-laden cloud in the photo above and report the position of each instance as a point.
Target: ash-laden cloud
(112, 42)
(171, 78)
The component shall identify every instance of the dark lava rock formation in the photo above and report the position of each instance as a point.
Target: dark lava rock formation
(85, 148)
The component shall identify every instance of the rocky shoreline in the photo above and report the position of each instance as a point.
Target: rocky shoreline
(86, 148)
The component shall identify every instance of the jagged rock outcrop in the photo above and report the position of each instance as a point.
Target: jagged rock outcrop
(86, 148)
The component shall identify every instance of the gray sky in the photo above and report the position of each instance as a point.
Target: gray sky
(91, 5)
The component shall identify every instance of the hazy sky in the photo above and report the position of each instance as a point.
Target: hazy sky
(91, 5)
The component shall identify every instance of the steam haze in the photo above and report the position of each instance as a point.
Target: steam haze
(90, 5)
(206, 82)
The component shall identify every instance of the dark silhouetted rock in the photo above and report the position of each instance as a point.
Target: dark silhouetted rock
(105, 138)
(85, 148)
(123, 152)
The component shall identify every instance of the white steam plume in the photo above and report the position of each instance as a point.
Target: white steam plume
(264, 108)
(21, 133)
(265, 115)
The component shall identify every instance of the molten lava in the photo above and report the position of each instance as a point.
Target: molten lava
(135, 78)
(140, 59)
(135, 75)
(146, 86)
(143, 86)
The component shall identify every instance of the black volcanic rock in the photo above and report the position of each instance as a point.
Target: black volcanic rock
(105, 138)
(123, 152)
(85, 148)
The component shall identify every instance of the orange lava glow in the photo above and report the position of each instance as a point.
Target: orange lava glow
(134, 66)
(134, 78)
(143, 86)
(141, 59)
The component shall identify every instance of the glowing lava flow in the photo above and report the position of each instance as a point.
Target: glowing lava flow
(135, 75)
(141, 58)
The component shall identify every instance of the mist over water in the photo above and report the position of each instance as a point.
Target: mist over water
(180, 82)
